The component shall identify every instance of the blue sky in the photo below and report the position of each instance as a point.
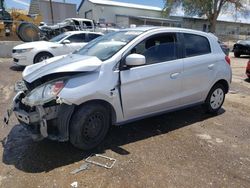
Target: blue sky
(24, 4)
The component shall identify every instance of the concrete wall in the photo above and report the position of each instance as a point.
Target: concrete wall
(6, 48)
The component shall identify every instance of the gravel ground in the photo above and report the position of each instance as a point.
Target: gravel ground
(186, 148)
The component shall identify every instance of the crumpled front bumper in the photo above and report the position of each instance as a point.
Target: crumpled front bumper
(43, 117)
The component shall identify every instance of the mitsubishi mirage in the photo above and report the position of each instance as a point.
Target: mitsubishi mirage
(118, 78)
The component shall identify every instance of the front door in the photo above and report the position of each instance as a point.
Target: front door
(156, 86)
(77, 41)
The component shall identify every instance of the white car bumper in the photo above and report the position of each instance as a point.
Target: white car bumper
(22, 59)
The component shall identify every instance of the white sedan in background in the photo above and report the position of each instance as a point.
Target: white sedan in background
(65, 43)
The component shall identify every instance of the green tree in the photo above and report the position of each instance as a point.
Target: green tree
(209, 8)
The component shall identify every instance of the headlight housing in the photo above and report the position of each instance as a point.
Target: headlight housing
(18, 51)
(44, 93)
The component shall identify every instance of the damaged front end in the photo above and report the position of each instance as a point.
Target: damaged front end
(38, 106)
(42, 111)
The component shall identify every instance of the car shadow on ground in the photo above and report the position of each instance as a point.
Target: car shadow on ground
(17, 68)
(35, 157)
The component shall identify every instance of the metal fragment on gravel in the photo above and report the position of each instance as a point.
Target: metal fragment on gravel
(106, 165)
(84, 166)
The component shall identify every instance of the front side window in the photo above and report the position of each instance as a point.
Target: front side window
(158, 49)
(107, 45)
(59, 37)
(196, 45)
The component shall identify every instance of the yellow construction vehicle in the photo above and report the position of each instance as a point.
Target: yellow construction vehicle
(16, 22)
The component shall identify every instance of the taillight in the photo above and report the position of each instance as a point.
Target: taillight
(228, 60)
(248, 65)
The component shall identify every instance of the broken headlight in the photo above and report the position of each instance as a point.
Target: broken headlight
(44, 93)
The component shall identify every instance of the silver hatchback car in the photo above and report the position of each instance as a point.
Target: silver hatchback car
(118, 78)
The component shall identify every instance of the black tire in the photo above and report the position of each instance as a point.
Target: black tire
(215, 99)
(89, 126)
(237, 54)
(28, 32)
(42, 56)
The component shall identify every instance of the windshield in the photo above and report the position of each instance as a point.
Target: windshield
(106, 46)
(59, 37)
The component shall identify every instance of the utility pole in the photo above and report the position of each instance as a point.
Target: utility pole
(51, 11)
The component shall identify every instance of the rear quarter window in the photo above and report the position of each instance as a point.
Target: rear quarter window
(196, 45)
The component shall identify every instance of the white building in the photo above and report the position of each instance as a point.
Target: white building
(121, 14)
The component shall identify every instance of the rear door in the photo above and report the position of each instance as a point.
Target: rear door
(199, 67)
(156, 86)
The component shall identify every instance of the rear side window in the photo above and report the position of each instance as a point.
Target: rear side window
(196, 45)
(92, 36)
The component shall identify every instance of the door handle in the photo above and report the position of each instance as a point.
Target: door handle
(211, 66)
(174, 75)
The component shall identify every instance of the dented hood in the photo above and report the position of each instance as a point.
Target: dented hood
(61, 64)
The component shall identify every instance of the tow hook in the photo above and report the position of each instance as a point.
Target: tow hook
(43, 122)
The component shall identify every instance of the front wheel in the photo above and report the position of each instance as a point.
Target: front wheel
(42, 56)
(215, 99)
(89, 126)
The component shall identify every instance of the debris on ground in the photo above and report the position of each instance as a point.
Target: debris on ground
(83, 167)
(233, 91)
(74, 184)
(101, 160)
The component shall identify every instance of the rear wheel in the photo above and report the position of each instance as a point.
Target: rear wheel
(215, 98)
(89, 126)
(42, 56)
(237, 54)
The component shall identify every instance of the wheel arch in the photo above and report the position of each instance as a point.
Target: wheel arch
(43, 51)
(224, 83)
(105, 104)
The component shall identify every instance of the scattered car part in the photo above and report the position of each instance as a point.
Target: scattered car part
(106, 165)
(74, 184)
(83, 167)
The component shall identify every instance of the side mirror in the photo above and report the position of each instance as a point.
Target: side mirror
(135, 60)
(66, 41)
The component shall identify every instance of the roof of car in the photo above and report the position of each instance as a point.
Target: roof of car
(148, 28)
(79, 32)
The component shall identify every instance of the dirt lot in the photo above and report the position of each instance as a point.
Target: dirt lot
(187, 148)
